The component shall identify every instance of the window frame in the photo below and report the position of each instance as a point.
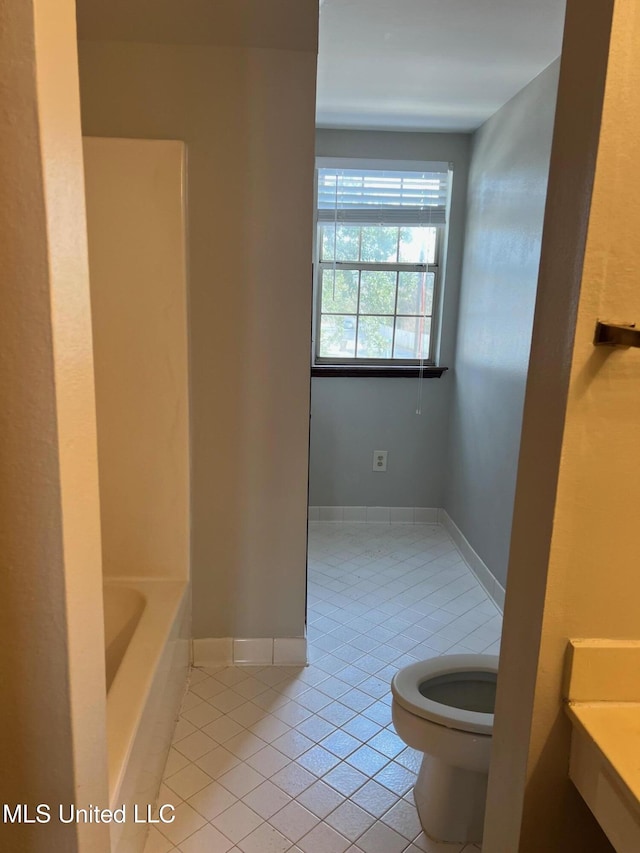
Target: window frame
(352, 365)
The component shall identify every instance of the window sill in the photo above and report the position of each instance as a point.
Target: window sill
(364, 371)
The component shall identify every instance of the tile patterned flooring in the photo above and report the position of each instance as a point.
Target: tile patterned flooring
(275, 759)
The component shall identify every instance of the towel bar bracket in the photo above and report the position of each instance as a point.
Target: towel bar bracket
(616, 335)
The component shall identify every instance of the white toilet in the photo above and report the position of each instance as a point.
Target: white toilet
(444, 707)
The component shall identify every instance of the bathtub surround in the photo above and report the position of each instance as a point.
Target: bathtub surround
(507, 191)
(137, 258)
(137, 255)
(236, 82)
(52, 717)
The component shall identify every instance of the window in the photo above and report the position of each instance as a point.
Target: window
(378, 251)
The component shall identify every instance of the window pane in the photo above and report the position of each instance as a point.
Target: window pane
(339, 295)
(379, 243)
(415, 292)
(377, 292)
(345, 239)
(418, 245)
(337, 336)
(375, 336)
(412, 337)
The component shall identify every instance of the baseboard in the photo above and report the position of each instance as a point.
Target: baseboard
(238, 651)
(492, 586)
(375, 514)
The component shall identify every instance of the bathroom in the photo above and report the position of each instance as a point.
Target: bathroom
(237, 95)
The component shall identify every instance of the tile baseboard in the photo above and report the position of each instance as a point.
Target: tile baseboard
(375, 514)
(240, 651)
(493, 587)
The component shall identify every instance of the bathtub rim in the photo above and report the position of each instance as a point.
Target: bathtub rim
(132, 683)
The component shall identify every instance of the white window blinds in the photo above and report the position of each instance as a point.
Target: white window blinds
(381, 197)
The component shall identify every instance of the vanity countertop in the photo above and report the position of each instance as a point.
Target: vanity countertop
(614, 729)
(603, 703)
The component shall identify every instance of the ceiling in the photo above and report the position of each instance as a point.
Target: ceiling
(444, 65)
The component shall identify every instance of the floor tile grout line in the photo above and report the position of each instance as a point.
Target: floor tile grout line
(285, 697)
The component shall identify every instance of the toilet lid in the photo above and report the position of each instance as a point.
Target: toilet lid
(406, 689)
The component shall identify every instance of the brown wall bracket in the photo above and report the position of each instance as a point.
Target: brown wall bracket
(616, 335)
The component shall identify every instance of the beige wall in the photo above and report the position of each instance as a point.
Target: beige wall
(247, 117)
(137, 256)
(279, 24)
(52, 715)
(573, 570)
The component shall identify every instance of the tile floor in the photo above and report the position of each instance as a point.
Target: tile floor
(275, 759)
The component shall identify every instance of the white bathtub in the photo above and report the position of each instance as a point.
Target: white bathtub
(147, 658)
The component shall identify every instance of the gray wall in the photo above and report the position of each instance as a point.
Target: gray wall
(350, 418)
(507, 191)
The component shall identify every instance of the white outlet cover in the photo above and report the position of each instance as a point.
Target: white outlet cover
(379, 460)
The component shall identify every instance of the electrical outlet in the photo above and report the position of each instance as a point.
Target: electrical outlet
(379, 460)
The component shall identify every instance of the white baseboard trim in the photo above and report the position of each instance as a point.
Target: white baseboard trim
(375, 514)
(480, 569)
(238, 651)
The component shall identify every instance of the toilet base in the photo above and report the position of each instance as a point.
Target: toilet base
(450, 801)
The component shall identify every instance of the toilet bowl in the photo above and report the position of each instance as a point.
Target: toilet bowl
(443, 707)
